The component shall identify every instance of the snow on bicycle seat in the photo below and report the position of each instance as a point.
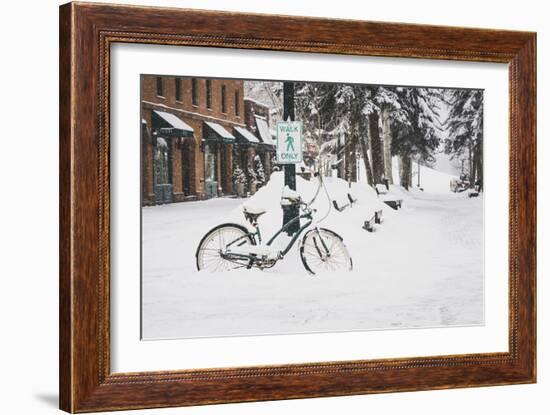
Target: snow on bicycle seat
(253, 210)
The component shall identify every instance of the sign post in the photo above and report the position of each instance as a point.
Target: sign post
(289, 153)
(291, 142)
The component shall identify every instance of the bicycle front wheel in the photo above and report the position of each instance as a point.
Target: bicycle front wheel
(215, 243)
(323, 250)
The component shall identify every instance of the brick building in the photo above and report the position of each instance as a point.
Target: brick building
(193, 133)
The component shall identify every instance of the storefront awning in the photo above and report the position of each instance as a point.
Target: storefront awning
(216, 132)
(246, 135)
(265, 134)
(170, 125)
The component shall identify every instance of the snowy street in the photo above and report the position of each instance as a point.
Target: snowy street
(423, 267)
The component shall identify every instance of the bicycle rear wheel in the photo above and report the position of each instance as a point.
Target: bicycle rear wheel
(210, 251)
(323, 250)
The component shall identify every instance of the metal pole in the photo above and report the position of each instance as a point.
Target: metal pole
(290, 212)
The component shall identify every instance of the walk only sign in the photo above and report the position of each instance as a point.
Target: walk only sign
(289, 142)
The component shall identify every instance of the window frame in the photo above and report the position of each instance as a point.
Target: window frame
(237, 103)
(208, 83)
(194, 92)
(223, 98)
(177, 89)
(160, 86)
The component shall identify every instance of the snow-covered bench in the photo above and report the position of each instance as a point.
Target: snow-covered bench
(368, 225)
(376, 218)
(342, 207)
(384, 193)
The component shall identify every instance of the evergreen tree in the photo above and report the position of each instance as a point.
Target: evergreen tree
(260, 173)
(238, 176)
(382, 106)
(348, 120)
(316, 107)
(391, 110)
(465, 123)
(420, 136)
(251, 175)
(353, 108)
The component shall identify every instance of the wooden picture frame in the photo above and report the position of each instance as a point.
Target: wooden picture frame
(86, 33)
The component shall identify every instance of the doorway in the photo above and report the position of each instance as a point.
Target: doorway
(162, 171)
(210, 163)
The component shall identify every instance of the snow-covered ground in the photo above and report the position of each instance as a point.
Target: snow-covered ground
(423, 267)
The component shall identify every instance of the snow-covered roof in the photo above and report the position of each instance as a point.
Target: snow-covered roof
(221, 131)
(174, 121)
(255, 101)
(263, 128)
(247, 135)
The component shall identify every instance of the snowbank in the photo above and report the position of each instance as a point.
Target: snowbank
(347, 223)
(434, 181)
(422, 268)
(431, 180)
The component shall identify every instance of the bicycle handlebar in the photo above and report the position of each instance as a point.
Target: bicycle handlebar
(320, 179)
(298, 200)
(322, 185)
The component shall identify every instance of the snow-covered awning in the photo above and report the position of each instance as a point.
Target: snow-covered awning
(263, 129)
(171, 125)
(247, 135)
(268, 142)
(217, 132)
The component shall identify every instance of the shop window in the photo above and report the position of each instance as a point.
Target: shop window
(209, 163)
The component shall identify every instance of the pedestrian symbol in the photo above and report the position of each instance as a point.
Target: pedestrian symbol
(289, 142)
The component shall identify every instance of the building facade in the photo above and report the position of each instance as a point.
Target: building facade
(193, 134)
(257, 119)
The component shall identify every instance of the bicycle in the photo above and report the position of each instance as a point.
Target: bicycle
(231, 245)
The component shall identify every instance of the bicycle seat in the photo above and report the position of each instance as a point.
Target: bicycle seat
(252, 213)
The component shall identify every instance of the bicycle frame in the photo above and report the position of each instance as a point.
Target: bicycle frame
(257, 236)
(295, 237)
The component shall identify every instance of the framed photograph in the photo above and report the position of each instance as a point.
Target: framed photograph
(258, 207)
